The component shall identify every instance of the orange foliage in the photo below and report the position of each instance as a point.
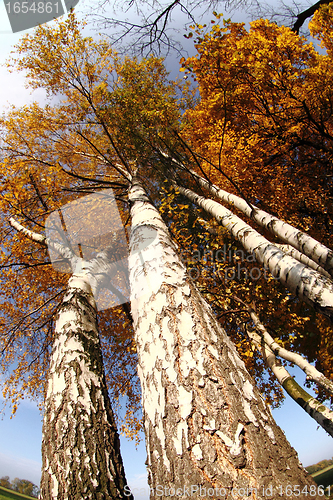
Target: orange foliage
(105, 114)
(264, 119)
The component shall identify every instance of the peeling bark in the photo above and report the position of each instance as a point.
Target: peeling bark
(80, 447)
(206, 423)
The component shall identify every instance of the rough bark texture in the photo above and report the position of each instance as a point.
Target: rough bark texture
(80, 447)
(209, 433)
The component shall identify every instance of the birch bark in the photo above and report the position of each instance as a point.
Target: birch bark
(80, 447)
(307, 245)
(269, 348)
(208, 431)
(304, 259)
(305, 283)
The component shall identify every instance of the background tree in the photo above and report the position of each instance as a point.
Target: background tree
(80, 445)
(5, 482)
(23, 486)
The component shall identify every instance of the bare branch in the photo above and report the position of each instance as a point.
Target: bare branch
(150, 27)
(303, 16)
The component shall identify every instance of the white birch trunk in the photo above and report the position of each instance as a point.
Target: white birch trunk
(80, 447)
(289, 250)
(312, 373)
(208, 432)
(305, 283)
(269, 348)
(301, 241)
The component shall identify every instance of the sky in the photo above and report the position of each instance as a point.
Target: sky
(20, 437)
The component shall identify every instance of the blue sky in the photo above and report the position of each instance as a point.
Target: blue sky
(20, 437)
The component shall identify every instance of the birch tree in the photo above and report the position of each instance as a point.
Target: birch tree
(270, 350)
(306, 283)
(81, 457)
(311, 251)
(80, 446)
(204, 418)
(205, 421)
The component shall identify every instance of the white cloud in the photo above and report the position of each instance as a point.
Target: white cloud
(14, 92)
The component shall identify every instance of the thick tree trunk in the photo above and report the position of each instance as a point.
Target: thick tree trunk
(307, 284)
(209, 433)
(80, 447)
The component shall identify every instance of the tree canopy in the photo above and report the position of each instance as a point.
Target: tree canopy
(261, 127)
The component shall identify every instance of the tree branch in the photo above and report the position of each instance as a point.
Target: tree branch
(311, 372)
(303, 16)
(38, 238)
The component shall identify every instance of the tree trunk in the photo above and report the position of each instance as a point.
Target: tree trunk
(80, 447)
(208, 431)
(301, 241)
(305, 283)
(269, 348)
(304, 259)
